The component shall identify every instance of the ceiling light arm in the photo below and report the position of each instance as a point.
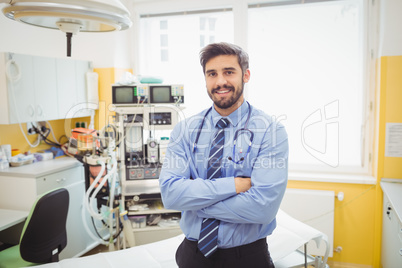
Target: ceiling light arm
(69, 28)
(70, 16)
(69, 36)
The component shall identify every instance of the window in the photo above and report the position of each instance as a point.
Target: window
(307, 64)
(306, 70)
(170, 45)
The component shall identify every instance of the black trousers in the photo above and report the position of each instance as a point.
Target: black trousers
(255, 255)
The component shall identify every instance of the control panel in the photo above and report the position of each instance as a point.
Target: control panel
(143, 90)
(140, 173)
(160, 118)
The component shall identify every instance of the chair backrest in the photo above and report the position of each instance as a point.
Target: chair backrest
(44, 235)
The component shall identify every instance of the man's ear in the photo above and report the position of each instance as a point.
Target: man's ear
(246, 76)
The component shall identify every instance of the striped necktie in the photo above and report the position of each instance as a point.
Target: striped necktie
(208, 240)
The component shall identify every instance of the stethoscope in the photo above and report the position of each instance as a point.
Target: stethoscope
(236, 136)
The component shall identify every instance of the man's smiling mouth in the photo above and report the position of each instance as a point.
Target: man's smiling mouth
(223, 90)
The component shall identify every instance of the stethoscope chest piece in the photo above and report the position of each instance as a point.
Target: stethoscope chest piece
(237, 135)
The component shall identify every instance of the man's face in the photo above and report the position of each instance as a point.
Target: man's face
(225, 83)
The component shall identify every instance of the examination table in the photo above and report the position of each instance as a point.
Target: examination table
(284, 244)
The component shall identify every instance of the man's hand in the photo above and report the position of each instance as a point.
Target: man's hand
(242, 184)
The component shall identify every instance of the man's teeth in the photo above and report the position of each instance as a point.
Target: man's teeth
(223, 91)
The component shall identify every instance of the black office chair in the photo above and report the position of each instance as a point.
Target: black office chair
(44, 234)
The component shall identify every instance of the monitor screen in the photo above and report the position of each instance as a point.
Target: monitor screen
(124, 95)
(160, 94)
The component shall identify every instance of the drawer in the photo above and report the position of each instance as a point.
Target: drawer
(60, 179)
(154, 234)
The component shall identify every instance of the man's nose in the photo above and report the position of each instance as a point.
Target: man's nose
(221, 80)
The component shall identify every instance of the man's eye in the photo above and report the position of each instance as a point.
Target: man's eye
(229, 72)
(211, 74)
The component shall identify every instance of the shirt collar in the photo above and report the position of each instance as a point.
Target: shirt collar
(234, 118)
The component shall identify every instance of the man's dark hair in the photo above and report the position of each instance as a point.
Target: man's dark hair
(217, 49)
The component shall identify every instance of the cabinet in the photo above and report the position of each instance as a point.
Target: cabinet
(19, 93)
(71, 88)
(34, 88)
(45, 89)
(391, 253)
(67, 97)
(20, 186)
(151, 206)
(81, 68)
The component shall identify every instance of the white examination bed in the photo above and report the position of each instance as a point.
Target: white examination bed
(283, 244)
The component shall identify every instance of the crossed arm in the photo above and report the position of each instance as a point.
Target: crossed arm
(242, 184)
(233, 199)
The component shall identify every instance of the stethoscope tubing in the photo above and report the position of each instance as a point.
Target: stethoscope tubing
(236, 135)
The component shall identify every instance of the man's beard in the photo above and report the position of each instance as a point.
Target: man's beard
(227, 103)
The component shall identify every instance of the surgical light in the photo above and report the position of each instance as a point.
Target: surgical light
(70, 16)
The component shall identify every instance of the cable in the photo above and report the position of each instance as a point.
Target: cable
(10, 77)
(177, 103)
(89, 198)
(51, 130)
(83, 215)
(105, 225)
(45, 138)
(61, 137)
(12, 80)
(103, 132)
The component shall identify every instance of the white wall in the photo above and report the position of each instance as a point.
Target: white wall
(390, 27)
(112, 49)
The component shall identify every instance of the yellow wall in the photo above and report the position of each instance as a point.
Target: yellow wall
(390, 111)
(12, 134)
(354, 219)
(107, 77)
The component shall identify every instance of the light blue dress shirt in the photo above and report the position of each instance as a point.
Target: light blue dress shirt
(245, 217)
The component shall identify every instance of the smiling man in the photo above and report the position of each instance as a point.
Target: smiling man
(225, 84)
(226, 170)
